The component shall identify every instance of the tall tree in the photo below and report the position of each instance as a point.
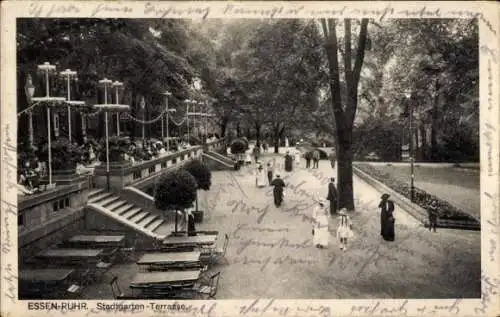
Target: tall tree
(344, 110)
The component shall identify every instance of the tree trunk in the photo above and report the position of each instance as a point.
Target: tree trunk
(434, 123)
(176, 220)
(344, 170)
(238, 130)
(257, 133)
(417, 148)
(197, 201)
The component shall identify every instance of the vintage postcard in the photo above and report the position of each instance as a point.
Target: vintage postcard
(211, 158)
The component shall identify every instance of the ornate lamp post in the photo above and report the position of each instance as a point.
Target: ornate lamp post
(29, 89)
(47, 68)
(143, 110)
(68, 73)
(188, 102)
(109, 107)
(167, 110)
(117, 86)
(409, 98)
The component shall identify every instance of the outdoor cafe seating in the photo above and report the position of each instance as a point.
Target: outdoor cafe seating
(167, 287)
(163, 261)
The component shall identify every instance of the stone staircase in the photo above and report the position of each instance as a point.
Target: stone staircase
(217, 161)
(127, 214)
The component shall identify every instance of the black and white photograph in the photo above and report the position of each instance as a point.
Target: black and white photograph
(207, 158)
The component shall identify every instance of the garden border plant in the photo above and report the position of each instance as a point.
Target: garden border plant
(447, 212)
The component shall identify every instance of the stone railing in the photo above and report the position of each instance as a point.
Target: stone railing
(50, 217)
(124, 174)
(214, 145)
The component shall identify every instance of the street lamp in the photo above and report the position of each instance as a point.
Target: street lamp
(47, 68)
(68, 73)
(117, 86)
(106, 82)
(143, 109)
(166, 94)
(29, 89)
(188, 101)
(409, 97)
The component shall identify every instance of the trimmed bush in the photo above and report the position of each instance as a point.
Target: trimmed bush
(238, 146)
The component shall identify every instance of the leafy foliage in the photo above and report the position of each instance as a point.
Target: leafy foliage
(238, 146)
(176, 190)
(65, 155)
(117, 147)
(200, 172)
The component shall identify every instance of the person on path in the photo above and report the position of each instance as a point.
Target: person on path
(308, 157)
(316, 158)
(297, 158)
(270, 169)
(288, 162)
(387, 218)
(332, 196)
(320, 231)
(260, 176)
(279, 185)
(256, 152)
(191, 229)
(433, 213)
(332, 158)
(344, 229)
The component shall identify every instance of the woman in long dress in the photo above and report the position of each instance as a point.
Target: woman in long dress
(288, 162)
(297, 158)
(321, 234)
(260, 176)
(387, 218)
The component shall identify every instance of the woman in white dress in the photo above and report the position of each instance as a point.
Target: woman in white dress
(260, 176)
(320, 227)
(297, 158)
(344, 229)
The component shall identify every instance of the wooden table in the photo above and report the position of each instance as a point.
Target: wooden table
(142, 280)
(190, 240)
(74, 255)
(97, 239)
(44, 275)
(170, 257)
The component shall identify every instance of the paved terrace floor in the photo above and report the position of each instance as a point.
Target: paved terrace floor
(270, 253)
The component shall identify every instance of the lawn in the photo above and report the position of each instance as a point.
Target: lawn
(457, 186)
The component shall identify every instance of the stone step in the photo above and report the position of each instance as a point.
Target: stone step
(157, 226)
(99, 197)
(132, 212)
(123, 209)
(147, 220)
(116, 205)
(95, 192)
(108, 201)
(139, 216)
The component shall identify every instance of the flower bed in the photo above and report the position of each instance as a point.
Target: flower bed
(447, 212)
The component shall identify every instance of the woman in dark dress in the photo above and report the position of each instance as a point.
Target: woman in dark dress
(278, 184)
(288, 162)
(191, 227)
(387, 218)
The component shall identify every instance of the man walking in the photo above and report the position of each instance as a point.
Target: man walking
(332, 158)
(316, 158)
(332, 196)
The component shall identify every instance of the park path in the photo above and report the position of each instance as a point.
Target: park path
(270, 254)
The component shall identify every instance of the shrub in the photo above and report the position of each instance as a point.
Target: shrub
(238, 146)
(65, 156)
(201, 173)
(117, 147)
(176, 190)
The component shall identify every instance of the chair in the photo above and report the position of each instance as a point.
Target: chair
(219, 253)
(115, 288)
(208, 291)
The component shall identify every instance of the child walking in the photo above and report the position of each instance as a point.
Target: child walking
(344, 229)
